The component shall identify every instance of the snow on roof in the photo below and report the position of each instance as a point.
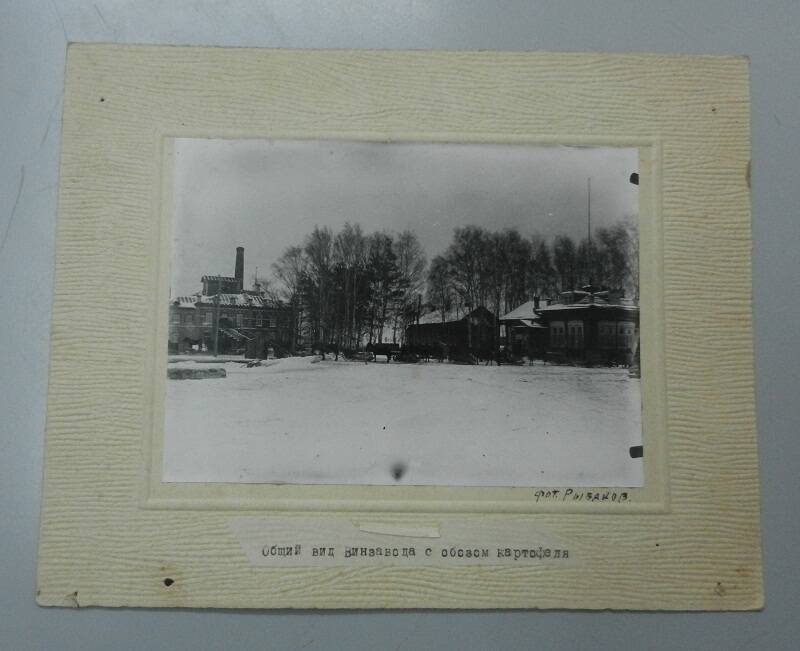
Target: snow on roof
(230, 300)
(229, 279)
(185, 301)
(235, 300)
(587, 303)
(530, 323)
(593, 299)
(436, 317)
(600, 299)
(524, 311)
(450, 317)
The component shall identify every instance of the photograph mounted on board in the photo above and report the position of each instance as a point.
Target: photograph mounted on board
(381, 313)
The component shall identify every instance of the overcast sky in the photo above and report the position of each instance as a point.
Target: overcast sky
(266, 195)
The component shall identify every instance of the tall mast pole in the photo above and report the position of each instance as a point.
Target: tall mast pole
(589, 230)
(589, 208)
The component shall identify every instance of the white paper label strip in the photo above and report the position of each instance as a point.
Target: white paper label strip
(328, 542)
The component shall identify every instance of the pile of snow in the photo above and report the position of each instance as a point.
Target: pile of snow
(195, 373)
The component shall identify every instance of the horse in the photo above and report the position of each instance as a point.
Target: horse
(323, 349)
(390, 350)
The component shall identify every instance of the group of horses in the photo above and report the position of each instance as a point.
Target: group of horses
(411, 353)
(389, 351)
(440, 351)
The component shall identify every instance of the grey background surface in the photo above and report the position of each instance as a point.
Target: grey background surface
(33, 37)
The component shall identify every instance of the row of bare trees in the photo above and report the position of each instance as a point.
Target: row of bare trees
(502, 269)
(349, 288)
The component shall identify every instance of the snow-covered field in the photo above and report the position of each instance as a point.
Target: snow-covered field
(328, 422)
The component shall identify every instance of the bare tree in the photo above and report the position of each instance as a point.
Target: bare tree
(440, 293)
(564, 261)
(411, 263)
(349, 250)
(384, 278)
(542, 276)
(467, 256)
(318, 249)
(518, 259)
(290, 271)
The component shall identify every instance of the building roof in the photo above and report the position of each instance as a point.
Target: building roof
(435, 317)
(527, 312)
(185, 301)
(592, 301)
(524, 311)
(225, 300)
(530, 323)
(224, 279)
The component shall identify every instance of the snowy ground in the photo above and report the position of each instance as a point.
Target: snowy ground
(343, 422)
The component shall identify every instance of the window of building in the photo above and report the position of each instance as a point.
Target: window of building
(575, 334)
(606, 334)
(207, 317)
(239, 319)
(625, 336)
(557, 334)
(175, 317)
(267, 322)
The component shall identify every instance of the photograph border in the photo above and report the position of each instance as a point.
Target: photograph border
(652, 497)
(110, 533)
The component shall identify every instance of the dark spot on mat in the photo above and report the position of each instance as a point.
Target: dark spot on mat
(634, 178)
(102, 99)
(168, 582)
(636, 451)
(398, 470)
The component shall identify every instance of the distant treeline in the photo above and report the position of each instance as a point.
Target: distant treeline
(349, 287)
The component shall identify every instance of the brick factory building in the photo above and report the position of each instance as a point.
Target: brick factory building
(225, 318)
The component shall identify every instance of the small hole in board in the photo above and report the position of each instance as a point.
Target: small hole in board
(636, 451)
(102, 99)
(168, 582)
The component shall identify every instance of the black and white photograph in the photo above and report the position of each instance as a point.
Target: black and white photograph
(403, 313)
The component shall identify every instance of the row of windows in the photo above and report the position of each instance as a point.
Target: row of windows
(610, 334)
(206, 318)
(566, 336)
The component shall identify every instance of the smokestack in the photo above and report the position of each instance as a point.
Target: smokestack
(239, 273)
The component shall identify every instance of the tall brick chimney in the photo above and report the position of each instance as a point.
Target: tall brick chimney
(239, 273)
